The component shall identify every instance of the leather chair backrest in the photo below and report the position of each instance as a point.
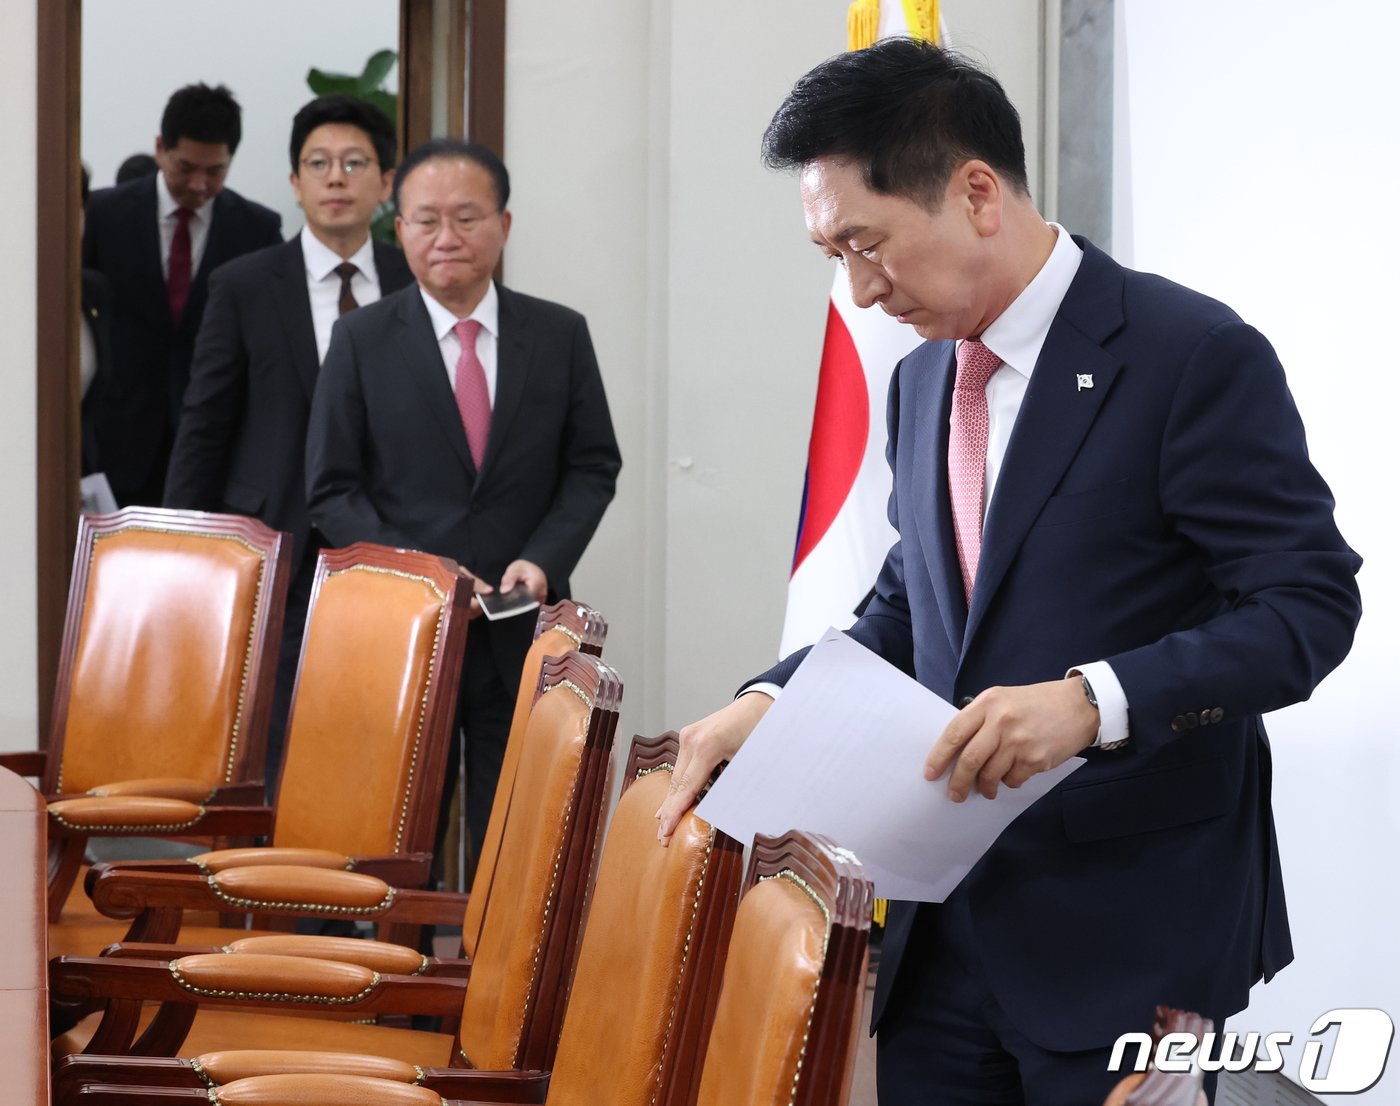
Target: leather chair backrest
(505, 970)
(771, 978)
(355, 738)
(553, 642)
(161, 669)
(650, 930)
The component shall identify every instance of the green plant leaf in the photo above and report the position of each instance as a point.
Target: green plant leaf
(322, 83)
(376, 69)
(386, 102)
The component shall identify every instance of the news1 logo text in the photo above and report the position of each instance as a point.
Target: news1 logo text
(1360, 1048)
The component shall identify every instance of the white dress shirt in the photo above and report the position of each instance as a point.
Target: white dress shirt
(1016, 336)
(323, 283)
(487, 314)
(200, 223)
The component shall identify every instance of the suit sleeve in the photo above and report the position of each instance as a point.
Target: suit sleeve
(213, 406)
(885, 627)
(1237, 484)
(338, 453)
(589, 464)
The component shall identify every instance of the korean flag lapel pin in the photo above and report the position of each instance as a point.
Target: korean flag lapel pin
(1086, 380)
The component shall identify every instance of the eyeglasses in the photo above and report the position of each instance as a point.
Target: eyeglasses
(318, 165)
(428, 226)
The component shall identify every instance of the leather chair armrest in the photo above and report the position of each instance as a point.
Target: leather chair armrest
(468, 1085)
(282, 983)
(125, 815)
(291, 891)
(31, 763)
(321, 1090)
(163, 787)
(221, 860)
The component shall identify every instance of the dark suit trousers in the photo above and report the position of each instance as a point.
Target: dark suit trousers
(945, 1041)
(485, 705)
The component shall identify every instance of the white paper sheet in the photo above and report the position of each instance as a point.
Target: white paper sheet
(841, 752)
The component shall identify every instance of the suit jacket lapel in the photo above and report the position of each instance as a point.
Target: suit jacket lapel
(1055, 416)
(293, 302)
(933, 406)
(423, 365)
(512, 367)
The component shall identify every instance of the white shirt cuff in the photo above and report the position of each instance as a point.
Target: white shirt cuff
(1113, 703)
(770, 690)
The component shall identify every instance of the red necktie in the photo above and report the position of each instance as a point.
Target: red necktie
(177, 279)
(473, 397)
(967, 453)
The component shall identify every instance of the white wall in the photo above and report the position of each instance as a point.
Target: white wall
(1265, 178)
(18, 661)
(137, 52)
(632, 133)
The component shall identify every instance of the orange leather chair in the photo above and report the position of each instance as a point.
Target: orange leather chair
(643, 1006)
(508, 1015)
(1160, 1088)
(370, 721)
(789, 1013)
(165, 676)
(560, 628)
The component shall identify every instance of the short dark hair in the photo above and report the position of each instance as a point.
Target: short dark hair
(202, 114)
(905, 111)
(137, 165)
(341, 107)
(454, 149)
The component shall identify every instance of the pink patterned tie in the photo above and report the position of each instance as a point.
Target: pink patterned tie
(473, 398)
(967, 453)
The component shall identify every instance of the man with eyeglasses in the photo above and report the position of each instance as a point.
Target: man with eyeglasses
(465, 419)
(156, 239)
(242, 436)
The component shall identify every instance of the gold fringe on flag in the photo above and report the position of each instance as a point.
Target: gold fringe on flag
(922, 17)
(878, 914)
(862, 24)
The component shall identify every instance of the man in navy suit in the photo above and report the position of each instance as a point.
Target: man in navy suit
(156, 240)
(1152, 564)
(241, 444)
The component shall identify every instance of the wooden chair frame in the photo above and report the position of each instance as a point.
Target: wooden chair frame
(154, 895)
(122, 983)
(241, 782)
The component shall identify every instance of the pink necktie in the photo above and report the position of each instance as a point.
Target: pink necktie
(177, 274)
(473, 398)
(967, 453)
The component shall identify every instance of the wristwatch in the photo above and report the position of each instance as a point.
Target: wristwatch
(1107, 746)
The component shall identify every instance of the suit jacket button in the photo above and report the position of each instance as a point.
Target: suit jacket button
(1192, 719)
(1217, 714)
(1178, 723)
(964, 702)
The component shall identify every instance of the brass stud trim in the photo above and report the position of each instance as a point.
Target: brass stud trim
(271, 996)
(331, 908)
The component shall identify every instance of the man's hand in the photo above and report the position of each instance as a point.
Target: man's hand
(703, 745)
(1008, 734)
(527, 573)
(479, 587)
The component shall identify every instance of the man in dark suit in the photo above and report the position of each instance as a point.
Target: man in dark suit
(1111, 543)
(469, 420)
(241, 445)
(156, 240)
